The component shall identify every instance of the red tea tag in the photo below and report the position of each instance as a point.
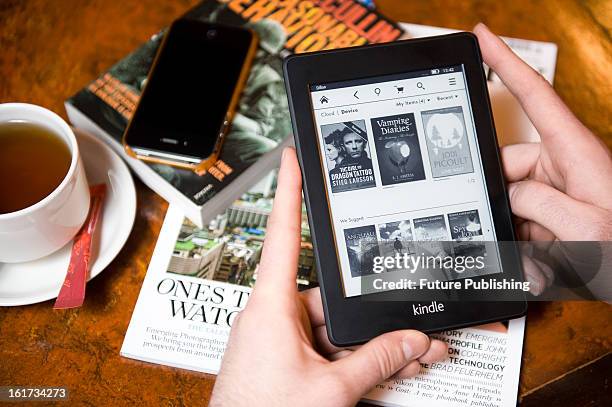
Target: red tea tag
(72, 293)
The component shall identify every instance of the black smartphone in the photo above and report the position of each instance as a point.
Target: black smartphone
(191, 94)
(403, 185)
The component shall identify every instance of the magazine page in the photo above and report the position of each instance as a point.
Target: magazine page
(181, 320)
(200, 278)
(262, 122)
(513, 125)
(482, 369)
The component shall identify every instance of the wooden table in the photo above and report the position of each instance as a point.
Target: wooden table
(50, 49)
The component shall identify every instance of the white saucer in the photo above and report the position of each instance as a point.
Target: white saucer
(40, 280)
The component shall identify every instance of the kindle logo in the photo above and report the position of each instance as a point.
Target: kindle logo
(420, 309)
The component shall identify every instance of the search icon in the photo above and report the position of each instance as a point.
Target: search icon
(377, 91)
(420, 85)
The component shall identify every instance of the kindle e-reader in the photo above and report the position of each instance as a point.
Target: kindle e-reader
(402, 179)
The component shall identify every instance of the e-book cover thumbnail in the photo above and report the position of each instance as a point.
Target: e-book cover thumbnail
(395, 238)
(447, 143)
(348, 156)
(362, 247)
(466, 231)
(397, 149)
(465, 225)
(431, 228)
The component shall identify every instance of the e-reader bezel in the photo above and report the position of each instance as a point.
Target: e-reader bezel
(351, 320)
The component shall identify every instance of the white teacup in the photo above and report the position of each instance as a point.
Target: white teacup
(46, 226)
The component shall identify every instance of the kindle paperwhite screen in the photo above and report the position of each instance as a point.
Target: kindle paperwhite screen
(402, 165)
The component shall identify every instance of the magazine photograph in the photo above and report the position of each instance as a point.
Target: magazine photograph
(228, 250)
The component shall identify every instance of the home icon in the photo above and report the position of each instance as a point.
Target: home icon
(324, 99)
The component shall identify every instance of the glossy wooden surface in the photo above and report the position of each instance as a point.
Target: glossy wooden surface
(50, 49)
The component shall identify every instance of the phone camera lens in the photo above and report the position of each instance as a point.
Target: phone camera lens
(211, 34)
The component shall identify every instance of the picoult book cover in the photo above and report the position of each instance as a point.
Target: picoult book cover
(262, 126)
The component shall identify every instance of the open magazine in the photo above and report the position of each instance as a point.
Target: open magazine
(200, 278)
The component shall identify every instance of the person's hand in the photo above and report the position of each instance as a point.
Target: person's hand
(561, 188)
(278, 351)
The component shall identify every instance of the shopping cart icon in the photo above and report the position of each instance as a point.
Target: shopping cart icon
(400, 89)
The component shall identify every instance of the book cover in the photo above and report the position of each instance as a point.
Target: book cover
(261, 125)
(362, 247)
(397, 149)
(395, 239)
(466, 233)
(449, 150)
(396, 234)
(465, 225)
(348, 158)
(430, 228)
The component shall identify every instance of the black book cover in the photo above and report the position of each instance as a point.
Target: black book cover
(397, 149)
(362, 247)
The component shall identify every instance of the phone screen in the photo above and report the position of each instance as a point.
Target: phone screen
(401, 165)
(189, 89)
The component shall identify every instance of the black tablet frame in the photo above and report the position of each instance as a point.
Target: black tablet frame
(351, 320)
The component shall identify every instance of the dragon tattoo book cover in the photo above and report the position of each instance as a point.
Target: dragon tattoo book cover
(348, 158)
